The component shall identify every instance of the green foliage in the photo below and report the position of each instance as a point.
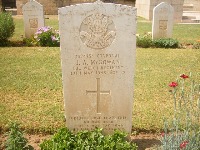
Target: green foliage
(87, 140)
(177, 139)
(7, 28)
(29, 41)
(166, 43)
(16, 140)
(184, 131)
(46, 36)
(144, 41)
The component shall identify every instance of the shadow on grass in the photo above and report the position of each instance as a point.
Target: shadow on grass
(13, 44)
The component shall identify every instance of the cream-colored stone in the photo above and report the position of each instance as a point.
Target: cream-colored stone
(162, 25)
(33, 17)
(147, 11)
(51, 6)
(98, 45)
(195, 5)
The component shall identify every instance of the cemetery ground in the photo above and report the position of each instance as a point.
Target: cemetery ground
(31, 84)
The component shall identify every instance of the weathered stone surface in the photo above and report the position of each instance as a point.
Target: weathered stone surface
(51, 6)
(33, 17)
(192, 5)
(98, 53)
(163, 20)
(145, 8)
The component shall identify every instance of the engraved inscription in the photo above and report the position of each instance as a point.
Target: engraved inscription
(109, 123)
(97, 31)
(33, 23)
(97, 64)
(163, 28)
(98, 92)
(163, 24)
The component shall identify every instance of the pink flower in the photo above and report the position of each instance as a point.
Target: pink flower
(44, 29)
(184, 76)
(162, 134)
(183, 144)
(53, 38)
(38, 32)
(173, 84)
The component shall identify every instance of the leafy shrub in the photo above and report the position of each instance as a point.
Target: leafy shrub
(16, 140)
(184, 131)
(87, 140)
(29, 41)
(46, 36)
(144, 41)
(7, 27)
(166, 43)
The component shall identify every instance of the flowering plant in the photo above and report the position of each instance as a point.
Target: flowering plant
(173, 84)
(184, 131)
(46, 36)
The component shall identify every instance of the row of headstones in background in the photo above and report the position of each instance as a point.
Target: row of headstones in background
(162, 24)
(33, 16)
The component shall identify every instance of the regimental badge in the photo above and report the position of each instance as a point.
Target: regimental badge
(97, 31)
(33, 23)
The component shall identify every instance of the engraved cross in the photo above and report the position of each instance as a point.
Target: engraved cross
(98, 92)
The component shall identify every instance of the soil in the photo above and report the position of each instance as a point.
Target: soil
(144, 141)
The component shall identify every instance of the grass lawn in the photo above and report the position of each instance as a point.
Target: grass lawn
(31, 84)
(184, 33)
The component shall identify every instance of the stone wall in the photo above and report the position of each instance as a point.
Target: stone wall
(51, 6)
(195, 4)
(145, 8)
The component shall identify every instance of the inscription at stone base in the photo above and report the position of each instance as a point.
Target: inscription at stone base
(110, 123)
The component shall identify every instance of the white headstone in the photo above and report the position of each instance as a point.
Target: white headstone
(162, 24)
(33, 17)
(98, 46)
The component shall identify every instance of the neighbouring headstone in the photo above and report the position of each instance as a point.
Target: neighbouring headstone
(145, 8)
(162, 24)
(98, 46)
(33, 17)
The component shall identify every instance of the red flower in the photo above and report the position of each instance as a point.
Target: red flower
(162, 134)
(184, 76)
(183, 144)
(173, 84)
